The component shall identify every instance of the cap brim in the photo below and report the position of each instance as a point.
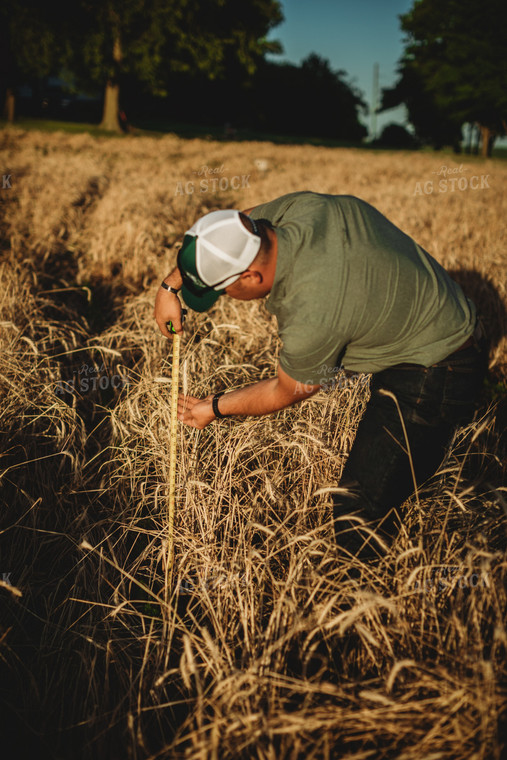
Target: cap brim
(200, 303)
(186, 260)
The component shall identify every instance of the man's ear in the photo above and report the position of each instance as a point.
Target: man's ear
(252, 277)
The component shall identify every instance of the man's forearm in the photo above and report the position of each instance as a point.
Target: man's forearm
(263, 397)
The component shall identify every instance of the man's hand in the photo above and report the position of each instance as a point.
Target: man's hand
(168, 305)
(195, 412)
(168, 309)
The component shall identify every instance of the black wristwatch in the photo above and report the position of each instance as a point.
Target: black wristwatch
(214, 404)
(169, 288)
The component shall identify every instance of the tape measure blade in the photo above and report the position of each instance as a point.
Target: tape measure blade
(173, 443)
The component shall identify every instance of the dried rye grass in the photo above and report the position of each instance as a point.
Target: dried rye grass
(267, 646)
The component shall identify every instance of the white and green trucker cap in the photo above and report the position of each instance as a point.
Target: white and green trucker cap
(215, 251)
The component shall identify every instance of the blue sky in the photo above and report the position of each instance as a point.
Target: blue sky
(353, 35)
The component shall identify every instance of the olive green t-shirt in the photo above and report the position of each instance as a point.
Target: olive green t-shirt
(352, 289)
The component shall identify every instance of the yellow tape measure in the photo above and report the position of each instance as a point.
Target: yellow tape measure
(173, 440)
(173, 446)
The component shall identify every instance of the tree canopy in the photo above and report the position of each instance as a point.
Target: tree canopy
(454, 68)
(310, 99)
(104, 41)
(202, 59)
(151, 39)
(30, 44)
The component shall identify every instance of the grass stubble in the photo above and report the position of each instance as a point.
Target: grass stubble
(264, 646)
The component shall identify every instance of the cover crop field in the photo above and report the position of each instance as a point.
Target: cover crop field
(263, 646)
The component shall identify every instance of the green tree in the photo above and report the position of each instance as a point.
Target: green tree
(434, 124)
(308, 100)
(456, 52)
(147, 39)
(30, 44)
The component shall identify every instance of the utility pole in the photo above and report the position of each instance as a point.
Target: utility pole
(374, 101)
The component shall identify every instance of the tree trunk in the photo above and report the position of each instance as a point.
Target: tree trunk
(488, 138)
(9, 105)
(110, 120)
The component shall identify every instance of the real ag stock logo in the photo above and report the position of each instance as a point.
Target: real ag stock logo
(452, 180)
(212, 179)
(91, 378)
(451, 578)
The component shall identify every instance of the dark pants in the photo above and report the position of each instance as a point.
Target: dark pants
(400, 444)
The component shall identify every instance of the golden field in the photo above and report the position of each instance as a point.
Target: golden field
(262, 646)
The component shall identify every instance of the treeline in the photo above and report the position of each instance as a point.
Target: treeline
(201, 61)
(307, 100)
(210, 62)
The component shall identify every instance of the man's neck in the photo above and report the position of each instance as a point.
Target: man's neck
(270, 266)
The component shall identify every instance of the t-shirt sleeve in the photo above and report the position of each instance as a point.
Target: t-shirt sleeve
(310, 357)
